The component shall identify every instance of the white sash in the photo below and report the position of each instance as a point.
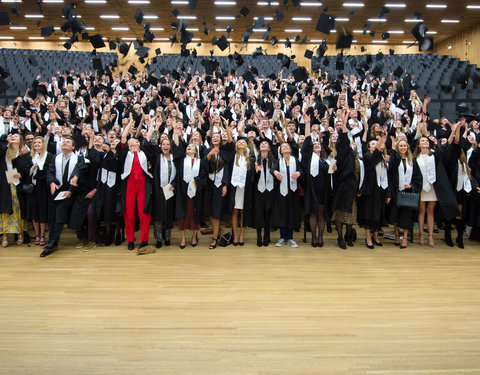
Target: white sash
(314, 164)
(239, 172)
(217, 178)
(261, 182)
(463, 182)
(189, 173)
(129, 163)
(108, 177)
(382, 176)
(164, 180)
(59, 170)
(362, 173)
(427, 167)
(404, 177)
(40, 161)
(283, 171)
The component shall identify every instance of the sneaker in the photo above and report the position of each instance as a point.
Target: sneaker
(89, 246)
(292, 243)
(81, 244)
(280, 242)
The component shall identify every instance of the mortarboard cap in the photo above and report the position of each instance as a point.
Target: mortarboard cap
(344, 41)
(47, 30)
(112, 45)
(244, 11)
(173, 38)
(142, 52)
(288, 44)
(385, 36)
(419, 31)
(391, 51)
(278, 15)
(158, 51)
(372, 33)
(325, 23)
(257, 52)
(132, 70)
(248, 76)
(339, 65)
(304, 40)
(33, 61)
(296, 38)
(260, 23)
(67, 45)
(97, 41)
(175, 12)
(300, 74)
(425, 44)
(3, 85)
(15, 10)
(206, 31)
(325, 62)
(186, 36)
(192, 4)
(184, 52)
(97, 63)
(273, 40)
(139, 16)
(4, 18)
(398, 72)
(41, 90)
(308, 54)
(296, 3)
(377, 70)
(462, 108)
(123, 48)
(149, 36)
(379, 56)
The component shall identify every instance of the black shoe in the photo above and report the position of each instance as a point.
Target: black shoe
(376, 243)
(459, 242)
(402, 247)
(235, 243)
(314, 243)
(167, 242)
(118, 239)
(143, 244)
(159, 244)
(348, 239)
(259, 241)
(320, 244)
(131, 246)
(448, 240)
(341, 243)
(196, 241)
(182, 246)
(369, 246)
(108, 240)
(329, 227)
(45, 253)
(266, 241)
(203, 225)
(51, 246)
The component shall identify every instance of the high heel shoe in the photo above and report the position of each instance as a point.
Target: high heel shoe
(212, 246)
(430, 241)
(369, 246)
(182, 246)
(37, 239)
(5, 240)
(376, 243)
(20, 239)
(43, 242)
(402, 246)
(196, 241)
(341, 243)
(421, 240)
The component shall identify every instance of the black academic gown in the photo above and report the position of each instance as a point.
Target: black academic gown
(316, 189)
(41, 198)
(263, 201)
(23, 163)
(371, 203)
(286, 211)
(107, 199)
(345, 185)
(473, 209)
(403, 217)
(179, 154)
(162, 210)
(5, 192)
(215, 204)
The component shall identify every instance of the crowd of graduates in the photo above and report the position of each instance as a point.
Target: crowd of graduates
(110, 153)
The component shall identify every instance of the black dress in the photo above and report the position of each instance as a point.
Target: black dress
(41, 197)
(371, 203)
(286, 210)
(263, 200)
(403, 217)
(23, 163)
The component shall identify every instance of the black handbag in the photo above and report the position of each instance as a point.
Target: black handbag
(406, 199)
(27, 188)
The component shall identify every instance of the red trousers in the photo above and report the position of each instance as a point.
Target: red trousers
(136, 194)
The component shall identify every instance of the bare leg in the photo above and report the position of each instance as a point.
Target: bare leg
(234, 225)
(215, 230)
(430, 222)
(368, 236)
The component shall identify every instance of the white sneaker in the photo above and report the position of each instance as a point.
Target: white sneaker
(292, 243)
(280, 242)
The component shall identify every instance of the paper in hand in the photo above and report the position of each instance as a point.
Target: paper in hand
(167, 192)
(10, 178)
(330, 168)
(61, 196)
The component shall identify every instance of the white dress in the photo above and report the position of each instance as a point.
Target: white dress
(426, 196)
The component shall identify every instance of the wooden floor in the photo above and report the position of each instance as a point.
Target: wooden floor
(241, 310)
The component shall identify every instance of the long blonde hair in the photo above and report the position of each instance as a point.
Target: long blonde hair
(245, 154)
(44, 147)
(409, 152)
(10, 154)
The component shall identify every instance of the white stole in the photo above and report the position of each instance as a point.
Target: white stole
(283, 171)
(108, 177)
(427, 167)
(163, 165)
(463, 182)
(362, 173)
(59, 170)
(404, 177)
(142, 158)
(314, 164)
(40, 161)
(217, 177)
(239, 172)
(261, 182)
(189, 173)
(382, 176)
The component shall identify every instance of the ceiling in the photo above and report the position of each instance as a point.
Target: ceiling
(161, 11)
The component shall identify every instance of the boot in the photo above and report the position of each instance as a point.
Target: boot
(266, 237)
(259, 237)
(448, 234)
(460, 230)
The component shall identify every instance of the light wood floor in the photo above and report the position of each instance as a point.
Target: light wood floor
(241, 310)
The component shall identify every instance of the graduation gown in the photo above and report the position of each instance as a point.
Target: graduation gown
(286, 211)
(107, 199)
(23, 163)
(162, 210)
(179, 155)
(41, 198)
(316, 189)
(215, 204)
(263, 201)
(5, 192)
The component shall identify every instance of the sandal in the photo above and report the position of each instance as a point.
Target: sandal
(37, 239)
(430, 241)
(212, 246)
(42, 241)
(421, 240)
(5, 240)
(20, 239)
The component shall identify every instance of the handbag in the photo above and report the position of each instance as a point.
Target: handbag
(27, 188)
(226, 239)
(406, 199)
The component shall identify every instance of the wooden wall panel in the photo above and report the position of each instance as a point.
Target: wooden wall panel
(465, 46)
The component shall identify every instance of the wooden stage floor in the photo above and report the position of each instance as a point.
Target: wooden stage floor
(241, 310)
